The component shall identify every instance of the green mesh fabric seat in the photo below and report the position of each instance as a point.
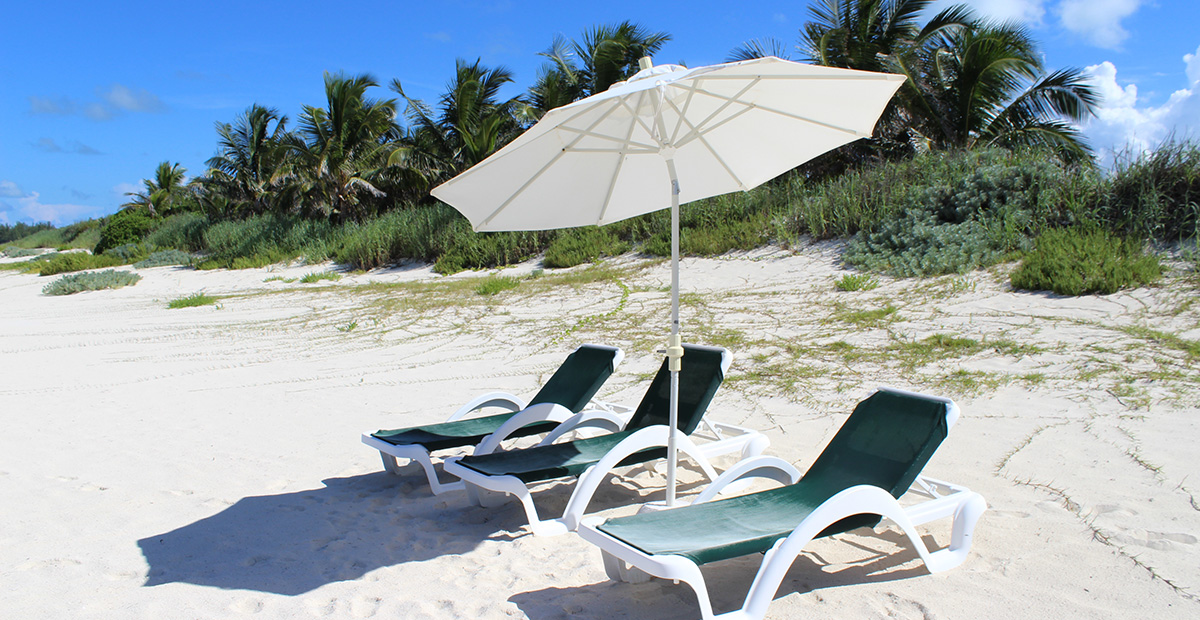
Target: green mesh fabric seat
(493, 477)
(699, 379)
(875, 458)
(885, 443)
(574, 384)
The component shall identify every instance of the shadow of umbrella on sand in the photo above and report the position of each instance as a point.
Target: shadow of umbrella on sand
(293, 543)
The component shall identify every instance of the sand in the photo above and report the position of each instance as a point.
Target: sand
(205, 462)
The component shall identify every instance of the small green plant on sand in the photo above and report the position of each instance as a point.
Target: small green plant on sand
(495, 284)
(310, 278)
(1077, 262)
(191, 301)
(90, 281)
(857, 282)
(280, 279)
(348, 327)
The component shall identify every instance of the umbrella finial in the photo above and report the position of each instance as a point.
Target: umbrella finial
(645, 63)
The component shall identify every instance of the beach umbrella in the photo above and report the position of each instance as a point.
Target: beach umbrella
(667, 136)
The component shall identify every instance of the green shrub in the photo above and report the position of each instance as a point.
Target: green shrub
(20, 230)
(129, 252)
(857, 282)
(495, 284)
(963, 222)
(1076, 262)
(193, 300)
(313, 277)
(163, 258)
(91, 281)
(267, 239)
(124, 227)
(184, 231)
(582, 245)
(1156, 194)
(75, 261)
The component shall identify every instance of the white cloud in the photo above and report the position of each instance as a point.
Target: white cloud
(31, 209)
(50, 146)
(1122, 124)
(1098, 21)
(1024, 11)
(8, 189)
(113, 100)
(120, 97)
(122, 190)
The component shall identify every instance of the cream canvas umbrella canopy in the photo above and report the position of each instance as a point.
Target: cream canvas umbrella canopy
(668, 135)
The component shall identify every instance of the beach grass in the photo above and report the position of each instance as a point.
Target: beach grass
(192, 301)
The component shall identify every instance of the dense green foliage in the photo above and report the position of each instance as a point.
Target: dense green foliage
(163, 258)
(75, 261)
(1072, 261)
(90, 281)
(1155, 195)
(124, 227)
(12, 232)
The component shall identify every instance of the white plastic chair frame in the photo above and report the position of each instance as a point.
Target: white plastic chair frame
(625, 563)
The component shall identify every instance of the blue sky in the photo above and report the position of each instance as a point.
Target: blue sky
(94, 95)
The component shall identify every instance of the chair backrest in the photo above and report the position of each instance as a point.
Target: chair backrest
(579, 377)
(701, 374)
(885, 442)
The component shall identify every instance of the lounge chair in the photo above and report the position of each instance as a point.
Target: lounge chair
(566, 393)
(875, 458)
(490, 476)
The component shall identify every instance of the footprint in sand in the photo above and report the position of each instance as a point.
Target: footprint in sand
(248, 606)
(365, 606)
(1155, 540)
(1113, 509)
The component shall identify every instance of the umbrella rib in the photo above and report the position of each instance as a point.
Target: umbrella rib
(859, 75)
(592, 134)
(612, 185)
(637, 118)
(798, 117)
(536, 176)
(686, 105)
(695, 135)
(700, 136)
(694, 87)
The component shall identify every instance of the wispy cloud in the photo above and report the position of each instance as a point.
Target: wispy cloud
(126, 99)
(113, 100)
(1123, 124)
(1098, 21)
(48, 145)
(8, 189)
(29, 208)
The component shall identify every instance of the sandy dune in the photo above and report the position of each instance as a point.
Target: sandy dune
(205, 462)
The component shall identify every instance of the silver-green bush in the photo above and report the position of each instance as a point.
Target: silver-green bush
(90, 281)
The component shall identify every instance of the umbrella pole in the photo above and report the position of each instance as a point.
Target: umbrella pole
(674, 343)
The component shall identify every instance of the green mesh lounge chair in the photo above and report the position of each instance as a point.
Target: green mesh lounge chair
(490, 476)
(876, 457)
(565, 395)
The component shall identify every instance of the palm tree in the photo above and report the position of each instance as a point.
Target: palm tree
(345, 155)
(164, 193)
(985, 84)
(970, 83)
(250, 165)
(470, 123)
(607, 53)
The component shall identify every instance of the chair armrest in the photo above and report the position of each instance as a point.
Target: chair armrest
(771, 467)
(603, 420)
(504, 400)
(541, 412)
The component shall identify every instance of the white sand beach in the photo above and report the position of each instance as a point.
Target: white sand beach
(205, 462)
